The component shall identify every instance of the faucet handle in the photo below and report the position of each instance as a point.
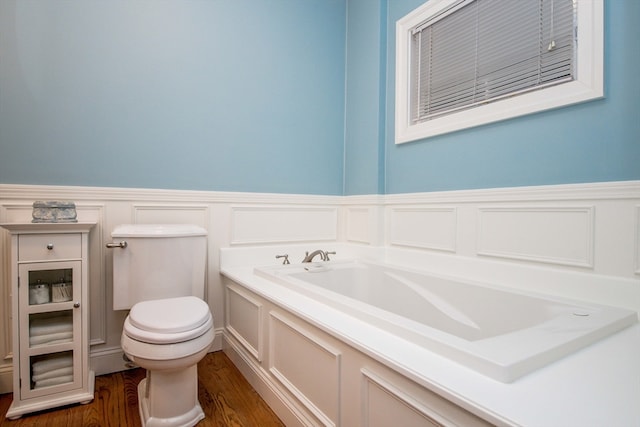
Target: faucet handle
(326, 255)
(286, 258)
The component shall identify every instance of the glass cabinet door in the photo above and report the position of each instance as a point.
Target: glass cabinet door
(50, 327)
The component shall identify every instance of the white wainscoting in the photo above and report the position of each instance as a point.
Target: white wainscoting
(589, 230)
(556, 235)
(252, 225)
(423, 227)
(637, 240)
(358, 225)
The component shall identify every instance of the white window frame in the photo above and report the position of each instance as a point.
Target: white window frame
(588, 84)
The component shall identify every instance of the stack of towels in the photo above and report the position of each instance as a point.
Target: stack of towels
(53, 370)
(51, 330)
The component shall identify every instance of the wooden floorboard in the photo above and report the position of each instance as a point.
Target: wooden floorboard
(226, 398)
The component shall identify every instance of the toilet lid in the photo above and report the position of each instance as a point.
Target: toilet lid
(162, 337)
(170, 316)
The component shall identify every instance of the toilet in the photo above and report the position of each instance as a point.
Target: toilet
(159, 275)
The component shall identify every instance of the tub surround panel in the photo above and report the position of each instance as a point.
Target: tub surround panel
(554, 235)
(387, 397)
(319, 343)
(606, 396)
(291, 413)
(307, 366)
(382, 402)
(243, 320)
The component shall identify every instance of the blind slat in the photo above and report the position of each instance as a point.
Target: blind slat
(486, 50)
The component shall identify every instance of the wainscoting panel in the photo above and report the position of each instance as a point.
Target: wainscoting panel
(562, 235)
(358, 225)
(95, 212)
(244, 320)
(264, 224)
(17, 212)
(306, 366)
(424, 227)
(171, 214)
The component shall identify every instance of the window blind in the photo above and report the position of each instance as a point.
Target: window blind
(480, 51)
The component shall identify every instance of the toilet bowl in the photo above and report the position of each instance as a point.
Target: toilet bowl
(168, 337)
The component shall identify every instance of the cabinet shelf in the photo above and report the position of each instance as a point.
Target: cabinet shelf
(48, 307)
(50, 348)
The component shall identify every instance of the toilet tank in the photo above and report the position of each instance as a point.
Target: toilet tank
(159, 261)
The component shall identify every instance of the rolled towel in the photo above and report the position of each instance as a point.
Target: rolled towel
(52, 374)
(47, 365)
(54, 381)
(51, 338)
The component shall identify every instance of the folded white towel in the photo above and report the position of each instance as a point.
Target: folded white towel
(51, 338)
(50, 325)
(52, 374)
(54, 381)
(47, 365)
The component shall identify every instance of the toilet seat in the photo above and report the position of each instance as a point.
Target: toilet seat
(168, 321)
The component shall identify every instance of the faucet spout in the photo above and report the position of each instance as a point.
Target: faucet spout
(309, 256)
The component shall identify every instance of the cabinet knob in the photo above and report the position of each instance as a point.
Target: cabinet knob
(50, 246)
(76, 304)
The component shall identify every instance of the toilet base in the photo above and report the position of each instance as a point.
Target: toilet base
(170, 398)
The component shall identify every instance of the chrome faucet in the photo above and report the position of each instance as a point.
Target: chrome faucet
(309, 256)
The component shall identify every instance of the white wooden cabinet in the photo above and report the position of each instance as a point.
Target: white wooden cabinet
(49, 286)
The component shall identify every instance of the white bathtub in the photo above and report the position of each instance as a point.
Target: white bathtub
(498, 333)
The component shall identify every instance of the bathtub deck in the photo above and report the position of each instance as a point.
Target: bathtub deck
(226, 398)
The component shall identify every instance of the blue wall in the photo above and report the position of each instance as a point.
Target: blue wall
(365, 97)
(592, 142)
(250, 95)
(229, 95)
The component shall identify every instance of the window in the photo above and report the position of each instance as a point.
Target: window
(464, 63)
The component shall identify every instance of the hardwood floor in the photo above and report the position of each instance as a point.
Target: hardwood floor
(226, 398)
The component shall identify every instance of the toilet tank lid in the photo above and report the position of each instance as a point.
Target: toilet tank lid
(158, 230)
